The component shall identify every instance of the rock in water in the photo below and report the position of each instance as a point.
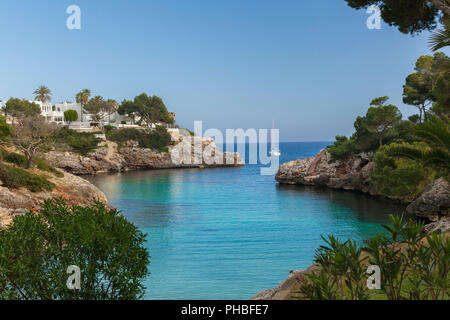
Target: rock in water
(351, 174)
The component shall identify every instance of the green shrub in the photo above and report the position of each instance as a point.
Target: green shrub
(70, 115)
(37, 249)
(163, 150)
(109, 128)
(15, 158)
(342, 148)
(5, 129)
(403, 178)
(409, 269)
(15, 178)
(80, 142)
(43, 165)
(152, 139)
(21, 161)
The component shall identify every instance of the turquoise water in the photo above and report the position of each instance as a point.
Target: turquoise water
(230, 233)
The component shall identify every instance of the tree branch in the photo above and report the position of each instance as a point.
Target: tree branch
(441, 5)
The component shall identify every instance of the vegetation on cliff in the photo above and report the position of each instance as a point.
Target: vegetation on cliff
(153, 139)
(36, 250)
(79, 142)
(30, 140)
(409, 153)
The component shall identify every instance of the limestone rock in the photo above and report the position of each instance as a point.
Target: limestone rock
(442, 225)
(434, 202)
(74, 190)
(351, 174)
(287, 287)
(110, 158)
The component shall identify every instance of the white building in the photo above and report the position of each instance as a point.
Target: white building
(55, 113)
(50, 112)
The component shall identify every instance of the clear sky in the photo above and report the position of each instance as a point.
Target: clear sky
(312, 66)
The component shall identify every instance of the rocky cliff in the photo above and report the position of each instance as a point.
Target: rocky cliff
(110, 157)
(73, 189)
(353, 174)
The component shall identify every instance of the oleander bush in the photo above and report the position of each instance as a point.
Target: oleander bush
(37, 249)
(152, 139)
(15, 178)
(413, 266)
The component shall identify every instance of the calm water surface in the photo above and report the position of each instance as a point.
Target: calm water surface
(230, 233)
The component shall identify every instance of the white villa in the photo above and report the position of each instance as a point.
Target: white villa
(55, 113)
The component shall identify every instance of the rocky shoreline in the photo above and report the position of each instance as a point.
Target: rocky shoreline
(74, 190)
(109, 157)
(433, 204)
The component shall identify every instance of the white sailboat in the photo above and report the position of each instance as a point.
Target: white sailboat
(274, 152)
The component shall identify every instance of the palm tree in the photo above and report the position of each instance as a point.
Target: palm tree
(83, 98)
(43, 94)
(436, 133)
(440, 38)
(112, 107)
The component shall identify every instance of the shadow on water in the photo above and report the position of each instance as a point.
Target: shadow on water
(366, 207)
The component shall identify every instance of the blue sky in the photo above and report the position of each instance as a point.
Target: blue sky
(312, 66)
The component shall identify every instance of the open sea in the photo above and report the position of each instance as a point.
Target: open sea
(230, 233)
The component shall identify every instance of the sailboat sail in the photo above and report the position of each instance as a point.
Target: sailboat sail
(274, 152)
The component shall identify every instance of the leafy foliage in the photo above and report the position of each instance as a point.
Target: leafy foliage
(146, 110)
(36, 250)
(31, 135)
(397, 177)
(381, 124)
(15, 178)
(441, 38)
(436, 134)
(342, 148)
(82, 98)
(21, 161)
(409, 16)
(424, 86)
(412, 266)
(43, 94)
(15, 107)
(71, 115)
(153, 139)
(80, 142)
(5, 129)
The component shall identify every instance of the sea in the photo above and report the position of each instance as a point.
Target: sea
(229, 233)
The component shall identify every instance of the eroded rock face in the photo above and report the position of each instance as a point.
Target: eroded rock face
(286, 288)
(74, 190)
(442, 225)
(352, 174)
(434, 202)
(110, 158)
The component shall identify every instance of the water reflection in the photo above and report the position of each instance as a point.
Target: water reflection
(366, 207)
